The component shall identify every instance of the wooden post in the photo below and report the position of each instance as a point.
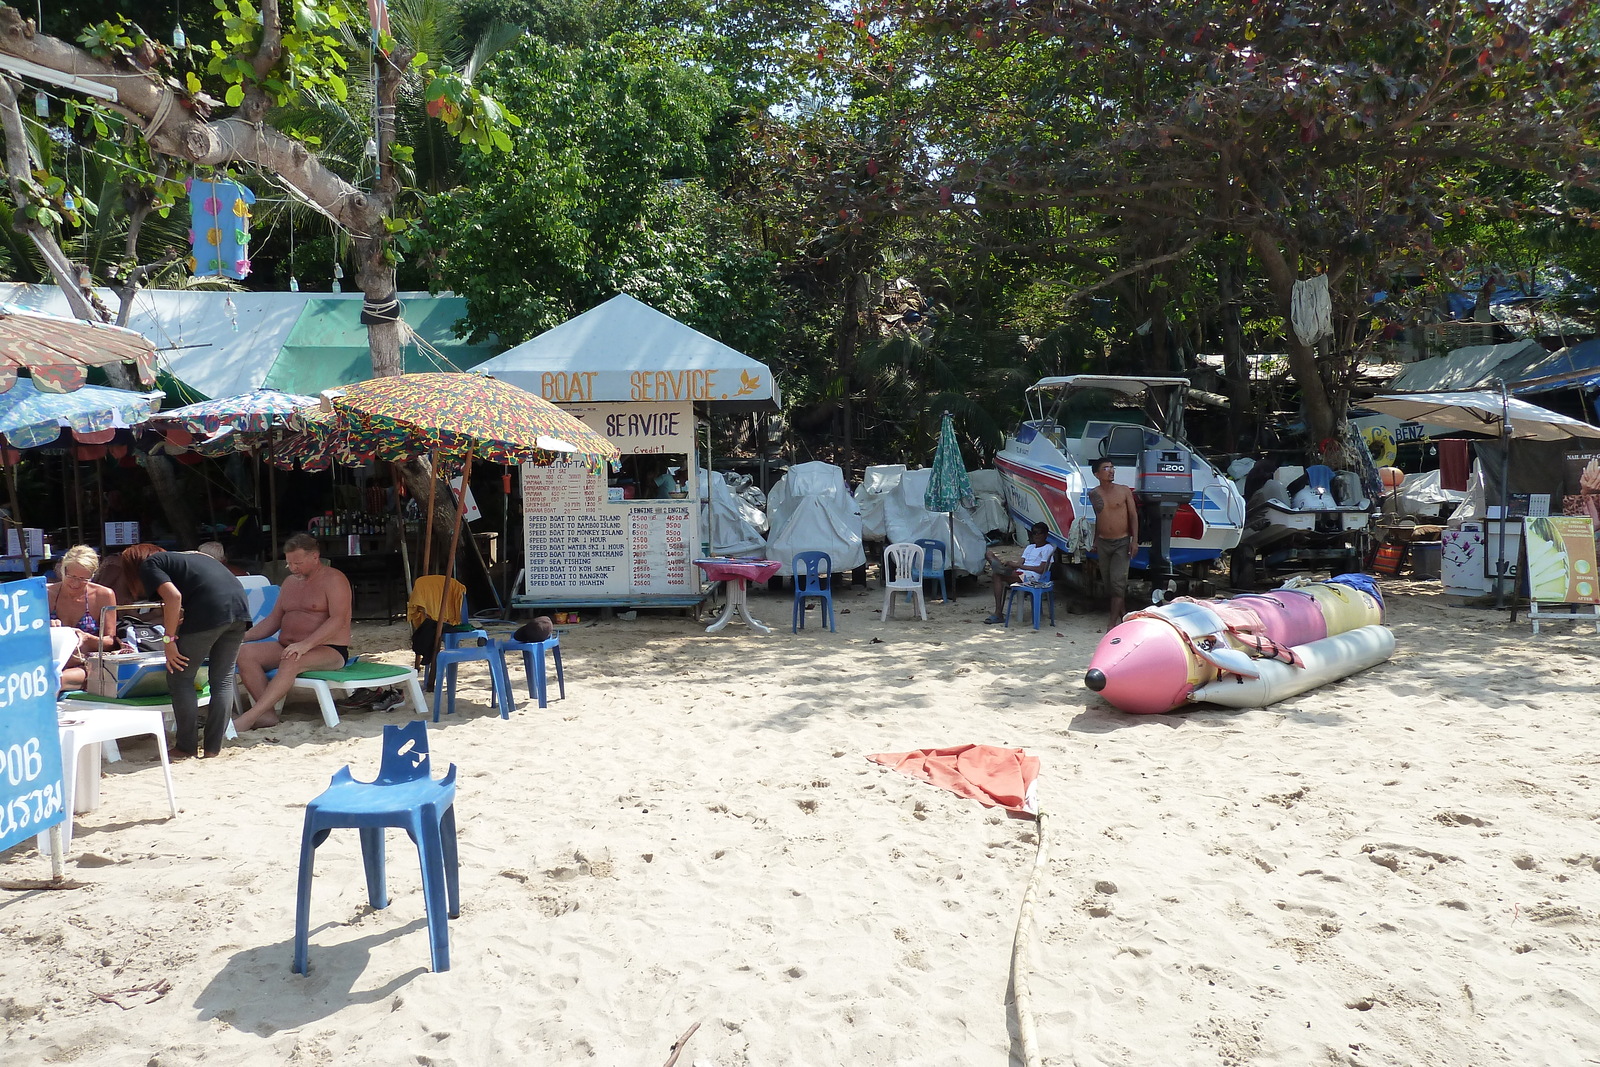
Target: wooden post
(450, 560)
(426, 564)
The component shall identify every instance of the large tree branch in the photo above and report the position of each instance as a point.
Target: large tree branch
(19, 169)
(171, 128)
(256, 100)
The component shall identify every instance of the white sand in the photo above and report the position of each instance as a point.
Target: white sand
(1398, 869)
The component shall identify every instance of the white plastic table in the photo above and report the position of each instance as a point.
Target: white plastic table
(736, 574)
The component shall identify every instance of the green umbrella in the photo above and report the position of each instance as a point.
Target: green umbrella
(949, 484)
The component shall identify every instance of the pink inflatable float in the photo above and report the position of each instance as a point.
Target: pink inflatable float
(1245, 652)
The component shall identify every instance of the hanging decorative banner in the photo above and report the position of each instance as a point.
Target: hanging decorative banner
(219, 228)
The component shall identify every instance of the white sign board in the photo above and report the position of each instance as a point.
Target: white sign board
(582, 544)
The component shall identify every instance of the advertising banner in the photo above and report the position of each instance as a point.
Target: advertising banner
(30, 746)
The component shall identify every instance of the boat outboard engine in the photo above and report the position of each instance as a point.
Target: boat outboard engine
(1166, 479)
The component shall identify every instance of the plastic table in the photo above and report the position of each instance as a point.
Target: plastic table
(737, 573)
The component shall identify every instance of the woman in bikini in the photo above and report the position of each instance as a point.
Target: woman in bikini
(77, 602)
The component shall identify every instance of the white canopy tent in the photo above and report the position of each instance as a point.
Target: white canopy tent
(627, 351)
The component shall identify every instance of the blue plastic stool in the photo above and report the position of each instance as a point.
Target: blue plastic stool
(404, 795)
(533, 666)
(930, 573)
(1039, 593)
(813, 577)
(453, 654)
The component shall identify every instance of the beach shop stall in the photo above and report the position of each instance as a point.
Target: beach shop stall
(626, 536)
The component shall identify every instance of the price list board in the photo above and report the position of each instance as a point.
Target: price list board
(580, 544)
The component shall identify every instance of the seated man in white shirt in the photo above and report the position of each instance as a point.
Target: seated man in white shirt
(1037, 557)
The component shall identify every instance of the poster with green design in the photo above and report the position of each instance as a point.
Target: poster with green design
(1561, 560)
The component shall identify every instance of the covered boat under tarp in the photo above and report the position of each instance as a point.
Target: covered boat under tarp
(811, 510)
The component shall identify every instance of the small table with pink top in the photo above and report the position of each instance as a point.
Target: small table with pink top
(737, 573)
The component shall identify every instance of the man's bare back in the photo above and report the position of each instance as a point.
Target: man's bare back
(304, 599)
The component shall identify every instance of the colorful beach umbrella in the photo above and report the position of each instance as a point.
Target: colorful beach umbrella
(949, 485)
(57, 352)
(462, 415)
(30, 418)
(256, 412)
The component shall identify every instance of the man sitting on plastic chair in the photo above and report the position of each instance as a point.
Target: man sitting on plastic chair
(1037, 556)
(312, 623)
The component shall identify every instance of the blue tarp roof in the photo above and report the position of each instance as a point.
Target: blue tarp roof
(1574, 367)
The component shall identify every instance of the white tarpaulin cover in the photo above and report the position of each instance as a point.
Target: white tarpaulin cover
(811, 510)
(1421, 495)
(876, 484)
(726, 518)
(990, 510)
(908, 519)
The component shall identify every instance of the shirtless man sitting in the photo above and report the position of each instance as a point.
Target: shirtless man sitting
(1116, 534)
(312, 621)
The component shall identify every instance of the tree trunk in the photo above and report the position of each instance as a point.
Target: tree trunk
(1322, 421)
(377, 280)
(1235, 367)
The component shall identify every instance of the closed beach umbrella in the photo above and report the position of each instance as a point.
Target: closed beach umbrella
(949, 485)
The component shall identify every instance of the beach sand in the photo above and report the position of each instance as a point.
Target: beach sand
(1402, 868)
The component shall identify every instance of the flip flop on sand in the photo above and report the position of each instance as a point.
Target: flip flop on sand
(992, 619)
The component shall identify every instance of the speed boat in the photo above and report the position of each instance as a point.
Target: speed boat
(1189, 512)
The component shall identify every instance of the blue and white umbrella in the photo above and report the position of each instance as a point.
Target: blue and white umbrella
(30, 418)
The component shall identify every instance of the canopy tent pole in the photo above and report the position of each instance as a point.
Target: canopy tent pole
(426, 565)
(400, 515)
(450, 560)
(272, 498)
(505, 539)
(16, 516)
(100, 498)
(77, 493)
(1505, 496)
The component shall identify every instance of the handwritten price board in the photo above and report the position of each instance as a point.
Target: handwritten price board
(30, 748)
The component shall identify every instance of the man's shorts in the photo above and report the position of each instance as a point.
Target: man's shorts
(1114, 553)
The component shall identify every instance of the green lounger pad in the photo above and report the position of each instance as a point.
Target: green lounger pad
(151, 701)
(357, 672)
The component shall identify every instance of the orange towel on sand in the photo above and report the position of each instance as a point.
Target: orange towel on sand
(996, 777)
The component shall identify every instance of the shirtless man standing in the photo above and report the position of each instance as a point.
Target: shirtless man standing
(312, 621)
(1116, 534)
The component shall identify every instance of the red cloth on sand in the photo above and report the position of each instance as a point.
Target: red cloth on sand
(993, 776)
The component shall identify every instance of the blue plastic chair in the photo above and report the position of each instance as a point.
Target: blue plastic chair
(404, 795)
(469, 646)
(813, 577)
(533, 666)
(1038, 593)
(930, 573)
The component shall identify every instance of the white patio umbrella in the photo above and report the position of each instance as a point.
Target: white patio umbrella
(1489, 412)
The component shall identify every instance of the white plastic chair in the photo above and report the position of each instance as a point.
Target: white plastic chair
(82, 732)
(905, 562)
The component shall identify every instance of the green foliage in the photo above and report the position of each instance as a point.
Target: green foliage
(602, 191)
(313, 56)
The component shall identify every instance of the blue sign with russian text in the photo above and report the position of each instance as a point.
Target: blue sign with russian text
(31, 797)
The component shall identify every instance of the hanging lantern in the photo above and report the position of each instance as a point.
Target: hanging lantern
(219, 228)
(178, 39)
(294, 284)
(41, 104)
(69, 204)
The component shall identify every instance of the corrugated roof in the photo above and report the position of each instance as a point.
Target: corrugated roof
(1468, 368)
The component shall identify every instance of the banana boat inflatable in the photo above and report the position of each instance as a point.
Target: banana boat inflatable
(1247, 651)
